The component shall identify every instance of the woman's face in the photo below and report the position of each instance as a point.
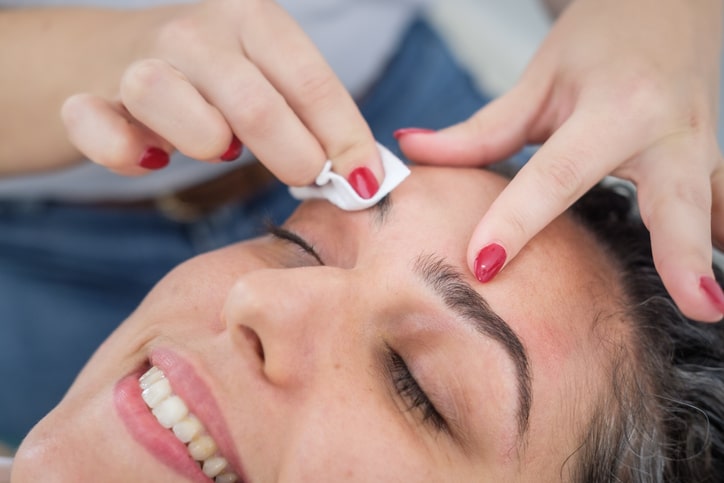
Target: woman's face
(298, 370)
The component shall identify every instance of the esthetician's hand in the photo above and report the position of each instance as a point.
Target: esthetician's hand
(217, 74)
(622, 87)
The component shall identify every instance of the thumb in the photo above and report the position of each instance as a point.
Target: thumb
(494, 132)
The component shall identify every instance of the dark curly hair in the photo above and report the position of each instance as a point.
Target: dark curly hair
(663, 421)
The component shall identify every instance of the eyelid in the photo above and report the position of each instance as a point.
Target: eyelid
(411, 392)
(292, 237)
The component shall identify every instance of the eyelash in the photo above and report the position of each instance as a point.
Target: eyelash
(411, 392)
(291, 237)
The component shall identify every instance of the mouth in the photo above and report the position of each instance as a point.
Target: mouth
(170, 412)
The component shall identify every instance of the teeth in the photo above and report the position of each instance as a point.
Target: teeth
(226, 478)
(188, 428)
(213, 466)
(156, 392)
(171, 412)
(153, 375)
(202, 447)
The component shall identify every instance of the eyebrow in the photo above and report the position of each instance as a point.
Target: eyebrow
(381, 209)
(459, 296)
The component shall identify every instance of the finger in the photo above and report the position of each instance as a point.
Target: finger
(262, 119)
(576, 157)
(495, 132)
(163, 99)
(298, 71)
(675, 205)
(107, 135)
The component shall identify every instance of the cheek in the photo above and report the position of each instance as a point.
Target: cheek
(352, 441)
(202, 283)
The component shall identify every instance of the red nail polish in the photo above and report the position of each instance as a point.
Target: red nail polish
(712, 290)
(411, 130)
(154, 158)
(234, 150)
(363, 182)
(489, 262)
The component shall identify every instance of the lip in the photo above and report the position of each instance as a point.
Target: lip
(161, 442)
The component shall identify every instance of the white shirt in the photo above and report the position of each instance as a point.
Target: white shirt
(357, 37)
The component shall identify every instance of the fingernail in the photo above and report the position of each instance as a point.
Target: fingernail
(363, 182)
(712, 290)
(234, 150)
(154, 158)
(411, 130)
(489, 262)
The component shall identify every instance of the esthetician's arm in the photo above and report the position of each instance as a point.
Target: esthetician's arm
(187, 77)
(622, 87)
(47, 55)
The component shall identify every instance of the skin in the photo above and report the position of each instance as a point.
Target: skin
(316, 406)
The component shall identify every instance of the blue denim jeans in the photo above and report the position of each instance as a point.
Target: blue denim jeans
(69, 274)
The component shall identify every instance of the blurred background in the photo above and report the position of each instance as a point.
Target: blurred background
(494, 38)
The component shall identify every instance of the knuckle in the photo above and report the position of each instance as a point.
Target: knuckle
(693, 196)
(564, 176)
(316, 86)
(183, 30)
(642, 94)
(518, 226)
(656, 207)
(141, 78)
(251, 108)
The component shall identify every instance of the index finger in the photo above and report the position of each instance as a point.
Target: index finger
(289, 59)
(576, 157)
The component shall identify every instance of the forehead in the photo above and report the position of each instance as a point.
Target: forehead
(551, 292)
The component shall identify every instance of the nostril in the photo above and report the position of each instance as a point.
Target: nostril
(253, 340)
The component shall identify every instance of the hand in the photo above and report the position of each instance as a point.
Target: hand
(216, 72)
(623, 87)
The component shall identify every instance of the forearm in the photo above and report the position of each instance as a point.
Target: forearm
(48, 55)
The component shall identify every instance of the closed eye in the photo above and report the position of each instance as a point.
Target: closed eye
(412, 394)
(290, 236)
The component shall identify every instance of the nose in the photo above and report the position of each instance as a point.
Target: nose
(297, 320)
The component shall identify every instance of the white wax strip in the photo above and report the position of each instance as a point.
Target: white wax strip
(338, 191)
